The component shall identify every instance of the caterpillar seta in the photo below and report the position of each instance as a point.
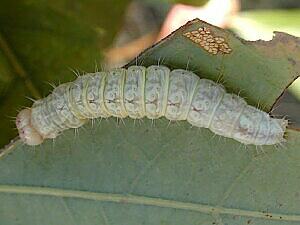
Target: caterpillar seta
(150, 92)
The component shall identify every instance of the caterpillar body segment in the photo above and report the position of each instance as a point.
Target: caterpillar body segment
(182, 86)
(95, 96)
(206, 99)
(134, 92)
(156, 91)
(113, 93)
(150, 92)
(77, 95)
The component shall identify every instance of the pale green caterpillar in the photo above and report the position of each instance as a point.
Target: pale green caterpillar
(150, 92)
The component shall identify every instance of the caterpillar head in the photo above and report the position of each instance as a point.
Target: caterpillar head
(27, 132)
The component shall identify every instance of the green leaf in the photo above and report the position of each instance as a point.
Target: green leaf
(41, 41)
(144, 173)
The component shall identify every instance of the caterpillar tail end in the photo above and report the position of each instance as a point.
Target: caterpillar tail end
(283, 123)
(28, 134)
(277, 133)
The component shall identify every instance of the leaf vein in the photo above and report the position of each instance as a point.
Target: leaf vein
(143, 200)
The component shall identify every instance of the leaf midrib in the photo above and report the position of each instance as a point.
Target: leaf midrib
(143, 200)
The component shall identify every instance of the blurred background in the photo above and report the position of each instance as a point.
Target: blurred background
(43, 43)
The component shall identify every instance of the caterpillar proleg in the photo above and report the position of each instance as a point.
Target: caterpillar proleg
(150, 92)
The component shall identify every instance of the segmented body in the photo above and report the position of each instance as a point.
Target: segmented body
(150, 92)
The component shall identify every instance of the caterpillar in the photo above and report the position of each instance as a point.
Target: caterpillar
(150, 92)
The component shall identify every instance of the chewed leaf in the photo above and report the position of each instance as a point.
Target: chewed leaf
(259, 71)
(156, 172)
